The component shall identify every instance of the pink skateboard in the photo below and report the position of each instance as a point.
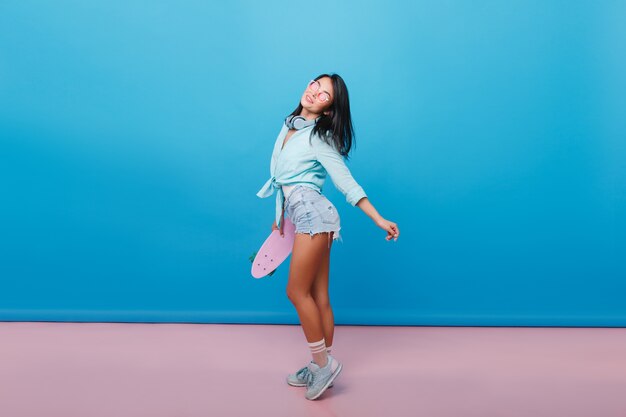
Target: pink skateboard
(274, 250)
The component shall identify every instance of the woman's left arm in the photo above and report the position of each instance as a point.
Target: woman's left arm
(390, 227)
(339, 173)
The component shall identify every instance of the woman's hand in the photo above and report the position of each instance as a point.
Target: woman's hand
(274, 227)
(390, 227)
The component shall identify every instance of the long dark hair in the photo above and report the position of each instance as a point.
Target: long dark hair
(336, 128)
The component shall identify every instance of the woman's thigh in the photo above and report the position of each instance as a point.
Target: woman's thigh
(307, 256)
(319, 290)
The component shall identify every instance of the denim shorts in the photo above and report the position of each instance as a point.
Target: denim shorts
(311, 212)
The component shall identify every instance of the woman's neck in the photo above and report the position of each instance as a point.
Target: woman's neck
(308, 115)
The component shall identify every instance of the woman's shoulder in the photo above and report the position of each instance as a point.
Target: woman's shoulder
(319, 139)
(324, 143)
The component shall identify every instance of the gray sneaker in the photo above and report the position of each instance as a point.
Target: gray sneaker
(299, 378)
(318, 379)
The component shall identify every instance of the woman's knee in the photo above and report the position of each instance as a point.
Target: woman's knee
(322, 301)
(295, 294)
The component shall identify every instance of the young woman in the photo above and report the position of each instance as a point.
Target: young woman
(312, 142)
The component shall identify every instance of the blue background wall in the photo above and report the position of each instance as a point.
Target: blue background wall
(493, 133)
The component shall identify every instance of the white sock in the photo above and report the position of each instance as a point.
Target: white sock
(318, 350)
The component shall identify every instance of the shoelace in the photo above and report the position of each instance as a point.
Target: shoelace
(309, 378)
(303, 372)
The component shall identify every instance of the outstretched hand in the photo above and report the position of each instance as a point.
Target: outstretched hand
(390, 227)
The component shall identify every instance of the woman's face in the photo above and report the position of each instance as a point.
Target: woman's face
(320, 100)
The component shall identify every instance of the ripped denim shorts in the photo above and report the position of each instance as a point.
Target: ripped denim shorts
(311, 212)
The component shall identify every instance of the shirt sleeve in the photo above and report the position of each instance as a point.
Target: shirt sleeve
(339, 173)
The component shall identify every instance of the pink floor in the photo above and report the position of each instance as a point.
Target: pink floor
(184, 370)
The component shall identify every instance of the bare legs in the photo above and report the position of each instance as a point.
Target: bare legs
(319, 292)
(308, 286)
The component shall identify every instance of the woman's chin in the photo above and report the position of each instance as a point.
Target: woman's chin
(307, 106)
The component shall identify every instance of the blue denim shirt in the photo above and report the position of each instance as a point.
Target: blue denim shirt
(307, 164)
